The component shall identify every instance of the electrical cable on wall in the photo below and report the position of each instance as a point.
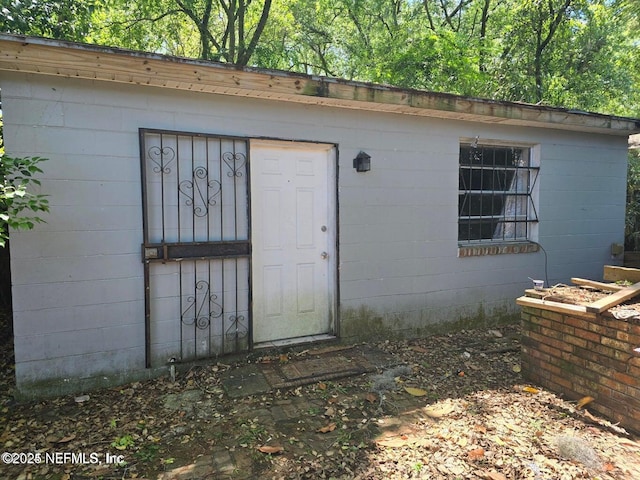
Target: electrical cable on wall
(546, 271)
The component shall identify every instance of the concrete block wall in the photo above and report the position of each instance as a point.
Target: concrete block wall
(78, 280)
(590, 355)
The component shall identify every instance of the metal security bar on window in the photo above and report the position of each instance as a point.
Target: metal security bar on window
(495, 194)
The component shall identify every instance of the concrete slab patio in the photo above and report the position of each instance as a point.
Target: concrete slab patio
(307, 367)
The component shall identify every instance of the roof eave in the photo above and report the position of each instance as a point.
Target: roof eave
(66, 59)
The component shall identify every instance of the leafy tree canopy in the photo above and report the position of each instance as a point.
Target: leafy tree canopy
(60, 19)
(582, 54)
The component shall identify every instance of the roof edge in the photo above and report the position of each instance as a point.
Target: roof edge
(63, 58)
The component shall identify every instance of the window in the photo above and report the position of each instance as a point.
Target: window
(495, 197)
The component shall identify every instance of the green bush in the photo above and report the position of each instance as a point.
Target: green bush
(632, 220)
(16, 175)
(16, 202)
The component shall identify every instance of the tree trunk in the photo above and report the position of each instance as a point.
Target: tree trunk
(484, 20)
(541, 44)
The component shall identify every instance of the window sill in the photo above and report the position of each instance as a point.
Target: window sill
(497, 249)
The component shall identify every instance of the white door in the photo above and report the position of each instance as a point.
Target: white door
(293, 239)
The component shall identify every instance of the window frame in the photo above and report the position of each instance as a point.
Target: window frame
(524, 220)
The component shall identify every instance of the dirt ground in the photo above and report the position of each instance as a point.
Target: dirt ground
(453, 407)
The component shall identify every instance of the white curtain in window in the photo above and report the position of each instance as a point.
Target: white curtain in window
(514, 208)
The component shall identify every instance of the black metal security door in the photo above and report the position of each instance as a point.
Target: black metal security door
(196, 245)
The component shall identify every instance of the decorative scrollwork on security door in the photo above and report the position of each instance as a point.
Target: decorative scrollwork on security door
(201, 192)
(162, 158)
(237, 327)
(235, 162)
(201, 307)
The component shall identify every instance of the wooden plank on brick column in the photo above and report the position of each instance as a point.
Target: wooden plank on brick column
(611, 287)
(614, 299)
(566, 308)
(616, 274)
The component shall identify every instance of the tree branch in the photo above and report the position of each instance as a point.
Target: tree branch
(429, 17)
(323, 61)
(555, 23)
(484, 21)
(448, 17)
(242, 8)
(130, 23)
(244, 60)
(205, 35)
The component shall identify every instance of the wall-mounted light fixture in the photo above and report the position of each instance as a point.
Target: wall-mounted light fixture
(362, 162)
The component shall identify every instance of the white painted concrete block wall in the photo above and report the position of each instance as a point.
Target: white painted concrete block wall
(78, 284)
(77, 290)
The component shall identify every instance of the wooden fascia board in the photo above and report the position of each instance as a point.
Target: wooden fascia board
(51, 57)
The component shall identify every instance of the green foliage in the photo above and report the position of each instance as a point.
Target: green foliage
(16, 176)
(632, 223)
(585, 63)
(62, 19)
(220, 30)
(629, 11)
(250, 433)
(148, 452)
(580, 54)
(123, 442)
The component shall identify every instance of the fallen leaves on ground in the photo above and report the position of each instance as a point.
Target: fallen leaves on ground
(392, 442)
(327, 428)
(416, 392)
(439, 410)
(418, 349)
(487, 424)
(66, 439)
(584, 401)
(475, 454)
(493, 476)
(372, 397)
(270, 449)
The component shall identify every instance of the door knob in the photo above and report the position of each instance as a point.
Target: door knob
(324, 255)
(323, 228)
